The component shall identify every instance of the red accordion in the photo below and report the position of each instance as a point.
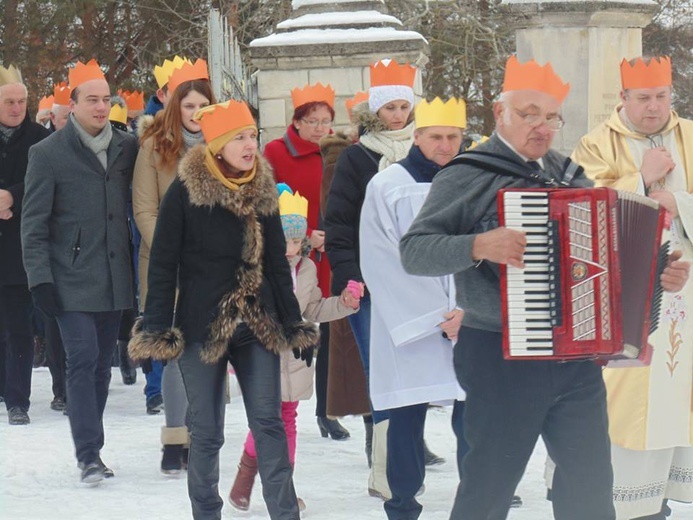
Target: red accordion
(590, 287)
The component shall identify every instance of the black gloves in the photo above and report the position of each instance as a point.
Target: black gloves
(306, 354)
(45, 299)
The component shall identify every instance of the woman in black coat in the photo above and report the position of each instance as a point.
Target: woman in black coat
(219, 241)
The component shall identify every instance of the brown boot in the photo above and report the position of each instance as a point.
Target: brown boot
(239, 496)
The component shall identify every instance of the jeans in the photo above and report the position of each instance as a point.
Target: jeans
(406, 466)
(509, 405)
(361, 327)
(257, 371)
(15, 326)
(173, 392)
(90, 340)
(289, 414)
(153, 378)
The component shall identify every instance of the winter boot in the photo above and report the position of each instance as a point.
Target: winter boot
(369, 441)
(127, 369)
(174, 441)
(377, 482)
(332, 428)
(239, 496)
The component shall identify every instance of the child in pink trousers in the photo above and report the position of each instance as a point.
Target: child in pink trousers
(296, 374)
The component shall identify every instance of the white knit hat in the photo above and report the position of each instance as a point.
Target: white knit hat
(390, 81)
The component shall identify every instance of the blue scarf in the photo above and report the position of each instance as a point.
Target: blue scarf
(420, 168)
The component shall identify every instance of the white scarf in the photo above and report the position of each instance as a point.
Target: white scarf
(393, 145)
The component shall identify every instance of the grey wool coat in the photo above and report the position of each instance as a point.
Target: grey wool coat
(75, 232)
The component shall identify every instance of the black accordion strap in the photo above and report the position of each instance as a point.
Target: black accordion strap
(502, 165)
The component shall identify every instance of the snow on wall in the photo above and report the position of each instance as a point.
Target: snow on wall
(338, 18)
(327, 36)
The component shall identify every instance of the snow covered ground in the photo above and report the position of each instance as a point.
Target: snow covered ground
(39, 479)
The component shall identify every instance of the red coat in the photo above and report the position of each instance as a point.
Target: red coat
(298, 163)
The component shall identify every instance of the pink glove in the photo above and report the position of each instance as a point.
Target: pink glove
(355, 289)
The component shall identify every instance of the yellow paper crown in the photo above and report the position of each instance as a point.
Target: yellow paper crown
(10, 75)
(134, 100)
(118, 114)
(188, 72)
(293, 204)
(162, 73)
(216, 120)
(532, 76)
(83, 72)
(657, 73)
(313, 93)
(389, 72)
(46, 103)
(436, 113)
(359, 97)
(61, 94)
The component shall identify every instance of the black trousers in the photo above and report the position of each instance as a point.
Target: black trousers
(55, 357)
(406, 466)
(322, 364)
(509, 405)
(89, 339)
(15, 325)
(257, 370)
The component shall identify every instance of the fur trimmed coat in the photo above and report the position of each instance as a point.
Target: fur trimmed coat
(225, 252)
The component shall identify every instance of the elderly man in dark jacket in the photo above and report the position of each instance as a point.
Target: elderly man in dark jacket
(17, 133)
(76, 250)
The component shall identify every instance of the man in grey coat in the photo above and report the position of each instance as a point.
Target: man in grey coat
(75, 245)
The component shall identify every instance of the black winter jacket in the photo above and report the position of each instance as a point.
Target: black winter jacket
(14, 156)
(225, 252)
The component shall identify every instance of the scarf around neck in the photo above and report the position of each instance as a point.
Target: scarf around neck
(393, 145)
(96, 143)
(191, 139)
(6, 132)
(420, 168)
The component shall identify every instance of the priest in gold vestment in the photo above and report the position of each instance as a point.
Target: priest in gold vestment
(646, 148)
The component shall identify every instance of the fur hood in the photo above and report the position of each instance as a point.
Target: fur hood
(257, 197)
(335, 142)
(143, 123)
(369, 122)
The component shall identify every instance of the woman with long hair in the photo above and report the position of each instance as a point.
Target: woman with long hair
(220, 245)
(164, 139)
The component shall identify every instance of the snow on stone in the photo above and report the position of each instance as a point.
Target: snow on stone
(297, 4)
(327, 36)
(338, 18)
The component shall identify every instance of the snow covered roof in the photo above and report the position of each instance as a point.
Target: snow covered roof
(297, 4)
(339, 18)
(328, 36)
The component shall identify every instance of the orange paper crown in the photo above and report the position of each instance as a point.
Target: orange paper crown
(389, 72)
(45, 103)
(657, 73)
(532, 76)
(216, 120)
(317, 93)
(350, 103)
(134, 100)
(61, 94)
(188, 72)
(82, 73)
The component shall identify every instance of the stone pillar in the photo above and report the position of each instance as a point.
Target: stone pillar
(327, 41)
(585, 41)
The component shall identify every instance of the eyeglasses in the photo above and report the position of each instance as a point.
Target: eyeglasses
(314, 123)
(554, 123)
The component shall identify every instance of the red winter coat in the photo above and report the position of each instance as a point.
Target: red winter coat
(298, 163)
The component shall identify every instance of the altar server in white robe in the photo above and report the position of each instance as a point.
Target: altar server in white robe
(414, 319)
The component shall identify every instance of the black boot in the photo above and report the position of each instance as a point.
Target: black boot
(369, 441)
(172, 459)
(127, 370)
(333, 428)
